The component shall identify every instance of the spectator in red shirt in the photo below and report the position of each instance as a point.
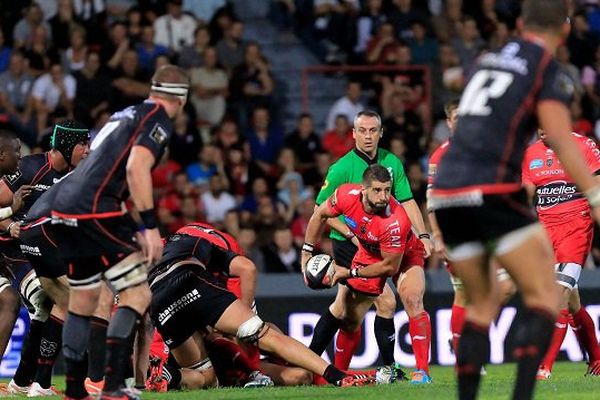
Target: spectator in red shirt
(339, 140)
(171, 206)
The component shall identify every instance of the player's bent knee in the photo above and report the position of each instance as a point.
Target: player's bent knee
(126, 274)
(413, 303)
(35, 298)
(252, 330)
(9, 299)
(199, 376)
(386, 304)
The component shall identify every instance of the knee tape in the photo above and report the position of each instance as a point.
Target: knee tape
(124, 276)
(34, 297)
(250, 331)
(567, 274)
(4, 283)
(202, 366)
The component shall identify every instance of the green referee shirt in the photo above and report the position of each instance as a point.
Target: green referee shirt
(350, 169)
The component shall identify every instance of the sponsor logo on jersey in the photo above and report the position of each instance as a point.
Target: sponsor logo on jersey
(555, 193)
(158, 134)
(354, 192)
(395, 238)
(12, 178)
(176, 306)
(350, 222)
(537, 163)
(33, 250)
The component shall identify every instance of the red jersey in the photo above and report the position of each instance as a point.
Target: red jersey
(388, 232)
(434, 160)
(556, 194)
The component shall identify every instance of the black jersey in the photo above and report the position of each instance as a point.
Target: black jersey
(42, 208)
(35, 170)
(179, 247)
(497, 118)
(98, 186)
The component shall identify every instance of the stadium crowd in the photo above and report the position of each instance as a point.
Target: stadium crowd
(230, 162)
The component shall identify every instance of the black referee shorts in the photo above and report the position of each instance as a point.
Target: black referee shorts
(343, 252)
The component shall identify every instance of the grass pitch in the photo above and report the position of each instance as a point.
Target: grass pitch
(567, 383)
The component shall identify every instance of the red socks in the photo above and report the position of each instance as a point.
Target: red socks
(230, 352)
(419, 329)
(345, 346)
(457, 321)
(560, 330)
(584, 329)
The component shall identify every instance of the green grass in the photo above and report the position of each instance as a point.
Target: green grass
(566, 383)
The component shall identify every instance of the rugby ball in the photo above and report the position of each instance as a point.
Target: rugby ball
(319, 272)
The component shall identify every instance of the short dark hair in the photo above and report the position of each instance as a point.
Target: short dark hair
(544, 15)
(376, 172)
(450, 106)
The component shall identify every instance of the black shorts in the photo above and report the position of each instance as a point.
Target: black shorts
(11, 252)
(498, 215)
(343, 252)
(94, 245)
(41, 249)
(185, 301)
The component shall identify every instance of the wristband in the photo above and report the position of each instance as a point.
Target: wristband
(425, 236)
(349, 235)
(149, 219)
(354, 273)
(593, 196)
(5, 212)
(308, 248)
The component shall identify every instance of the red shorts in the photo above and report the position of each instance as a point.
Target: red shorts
(414, 255)
(572, 240)
(233, 285)
(158, 348)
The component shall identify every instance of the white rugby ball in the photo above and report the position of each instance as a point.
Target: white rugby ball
(319, 271)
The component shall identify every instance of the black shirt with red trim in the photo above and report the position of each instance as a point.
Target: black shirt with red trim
(497, 117)
(35, 170)
(98, 185)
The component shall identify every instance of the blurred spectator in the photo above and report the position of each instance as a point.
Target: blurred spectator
(399, 122)
(170, 206)
(130, 84)
(282, 13)
(217, 201)
(247, 241)
(501, 36)
(266, 220)
(93, 90)
(581, 42)
(52, 93)
(39, 52)
(113, 50)
(369, 23)
(5, 53)
(148, 51)
(424, 49)
(117, 9)
(447, 24)
(135, 26)
(15, 100)
(563, 56)
(348, 105)
(469, 43)
(304, 141)
(487, 18)
(249, 205)
(334, 24)
(92, 15)
(300, 222)
(398, 148)
(185, 142)
(23, 31)
(231, 48)
(251, 84)
(193, 56)
(282, 255)
(210, 87)
(590, 79)
(74, 58)
(62, 24)
(339, 140)
(174, 29)
(402, 15)
(448, 78)
(290, 185)
(382, 47)
(227, 134)
(203, 10)
(581, 125)
(316, 176)
(163, 175)
(200, 172)
(265, 139)
(417, 181)
(240, 172)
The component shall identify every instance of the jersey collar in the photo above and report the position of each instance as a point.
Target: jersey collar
(365, 157)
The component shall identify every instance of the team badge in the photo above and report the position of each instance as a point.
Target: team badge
(12, 178)
(158, 134)
(549, 162)
(325, 184)
(537, 163)
(363, 229)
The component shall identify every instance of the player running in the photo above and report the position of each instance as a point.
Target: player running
(367, 132)
(479, 201)
(565, 214)
(387, 248)
(97, 236)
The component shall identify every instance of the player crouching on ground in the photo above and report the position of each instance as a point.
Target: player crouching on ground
(387, 248)
(186, 300)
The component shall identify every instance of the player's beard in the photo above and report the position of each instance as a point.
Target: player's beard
(377, 208)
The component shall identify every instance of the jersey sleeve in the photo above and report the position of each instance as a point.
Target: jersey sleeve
(401, 187)
(432, 168)
(525, 177)
(23, 176)
(335, 177)
(556, 85)
(154, 134)
(336, 202)
(215, 258)
(592, 155)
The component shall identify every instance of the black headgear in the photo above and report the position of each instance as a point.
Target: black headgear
(66, 135)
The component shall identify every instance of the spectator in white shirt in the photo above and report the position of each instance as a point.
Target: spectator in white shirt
(349, 105)
(174, 29)
(52, 91)
(217, 202)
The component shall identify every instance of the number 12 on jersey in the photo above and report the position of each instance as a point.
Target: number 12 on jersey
(482, 87)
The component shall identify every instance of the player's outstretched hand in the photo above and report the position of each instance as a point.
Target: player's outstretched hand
(428, 246)
(341, 274)
(19, 196)
(439, 246)
(152, 246)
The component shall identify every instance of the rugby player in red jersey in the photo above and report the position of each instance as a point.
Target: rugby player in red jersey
(388, 247)
(565, 214)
